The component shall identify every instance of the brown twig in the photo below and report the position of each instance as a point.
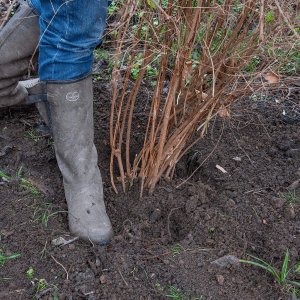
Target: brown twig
(61, 266)
(157, 256)
(123, 278)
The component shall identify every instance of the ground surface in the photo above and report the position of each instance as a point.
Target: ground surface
(210, 216)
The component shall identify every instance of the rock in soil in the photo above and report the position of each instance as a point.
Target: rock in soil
(220, 279)
(226, 260)
(278, 202)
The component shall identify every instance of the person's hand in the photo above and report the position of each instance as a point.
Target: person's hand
(18, 96)
(11, 92)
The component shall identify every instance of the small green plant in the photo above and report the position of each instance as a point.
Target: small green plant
(4, 258)
(178, 295)
(211, 231)
(282, 278)
(42, 283)
(135, 269)
(290, 197)
(255, 211)
(30, 273)
(176, 249)
(33, 134)
(160, 288)
(44, 251)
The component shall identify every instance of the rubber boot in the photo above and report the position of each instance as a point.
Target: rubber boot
(18, 42)
(71, 107)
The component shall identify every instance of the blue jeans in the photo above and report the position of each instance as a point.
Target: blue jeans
(69, 32)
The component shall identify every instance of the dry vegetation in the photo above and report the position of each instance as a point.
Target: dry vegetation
(216, 51)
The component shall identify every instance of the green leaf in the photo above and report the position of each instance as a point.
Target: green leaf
(210, 17)
(294, 282)
(141, 14)
(269, 16)
(269, 268)
(285, 263)
(151, 3)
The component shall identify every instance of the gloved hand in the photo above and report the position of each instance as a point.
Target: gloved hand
(18, 41)
(12, 93)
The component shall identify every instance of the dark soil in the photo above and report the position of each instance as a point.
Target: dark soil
(213, 214)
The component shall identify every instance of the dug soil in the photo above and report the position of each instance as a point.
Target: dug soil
(238, 200)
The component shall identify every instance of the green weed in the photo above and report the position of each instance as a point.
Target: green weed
(176, 249)
(33, 134)
(178, 295)
(255, 211)
(30, 273)
(282, 277)
(290, 197)
(160, 288)
(4, 258)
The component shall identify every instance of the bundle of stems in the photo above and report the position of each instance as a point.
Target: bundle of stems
(213, 52)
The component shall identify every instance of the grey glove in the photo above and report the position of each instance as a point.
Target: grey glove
(18, 42)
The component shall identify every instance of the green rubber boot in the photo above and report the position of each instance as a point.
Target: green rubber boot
(73, 132)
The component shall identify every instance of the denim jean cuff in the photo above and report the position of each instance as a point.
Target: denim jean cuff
(52, 81)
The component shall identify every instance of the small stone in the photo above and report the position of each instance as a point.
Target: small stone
(289, 213)
(4, 179)
(220, 279)
(221, 253)
(103, 279)
(58, 241)
(152, 276)
(237, 158)
(71, 246)
(230, 202)
(155, 215)
(226, 260)
(294, 185)
(200, 264)
(207, 217)
(278, 202)
(166, 262)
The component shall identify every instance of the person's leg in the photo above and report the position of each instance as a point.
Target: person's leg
(69, 32)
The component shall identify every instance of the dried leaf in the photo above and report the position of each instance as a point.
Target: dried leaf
(224, 112)
(188, 69)
(200, 96)
(272, 77)
(264, 221)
